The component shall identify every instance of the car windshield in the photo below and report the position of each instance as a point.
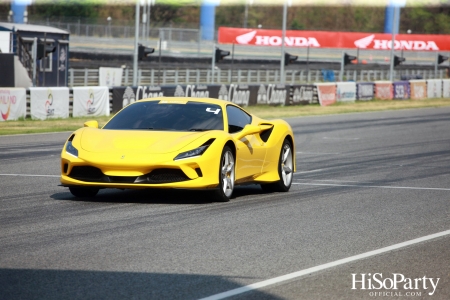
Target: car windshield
(166, 115)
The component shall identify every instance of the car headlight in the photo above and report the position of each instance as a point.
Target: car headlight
(195, 152)
(70, 148)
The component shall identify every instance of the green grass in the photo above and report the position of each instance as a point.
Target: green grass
(267, 112)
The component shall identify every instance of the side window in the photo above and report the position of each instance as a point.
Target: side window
(237, 119)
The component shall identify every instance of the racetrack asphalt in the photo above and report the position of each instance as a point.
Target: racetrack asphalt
(364, 182)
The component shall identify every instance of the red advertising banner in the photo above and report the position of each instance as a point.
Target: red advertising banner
(326, 93)
(329, 39)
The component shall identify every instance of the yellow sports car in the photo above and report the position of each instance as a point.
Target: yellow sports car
(183, 143)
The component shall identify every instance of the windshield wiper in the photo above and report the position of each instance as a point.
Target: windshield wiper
(200, 129)
(151, 128)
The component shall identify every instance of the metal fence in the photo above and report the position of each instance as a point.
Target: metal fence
(90, 77)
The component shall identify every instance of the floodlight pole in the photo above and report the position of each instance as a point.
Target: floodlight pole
(136, 40)
(213, 61)
(394, 29)
(436, 66)
(283, 38)
(34, 57)
(341, 73)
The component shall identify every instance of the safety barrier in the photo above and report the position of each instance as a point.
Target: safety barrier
(62, 102)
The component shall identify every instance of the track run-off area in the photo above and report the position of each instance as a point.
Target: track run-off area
(367, 217)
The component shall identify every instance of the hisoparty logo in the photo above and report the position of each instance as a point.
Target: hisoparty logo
(90, 108)
(395, 285)
(50, 111)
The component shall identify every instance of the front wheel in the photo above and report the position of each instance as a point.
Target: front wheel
(285, 170)
(226, 176)
(81, 192)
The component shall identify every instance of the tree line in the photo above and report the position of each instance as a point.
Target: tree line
(426, 20)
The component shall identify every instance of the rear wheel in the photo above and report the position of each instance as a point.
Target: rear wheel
(285, 170)
(226, 176)
(82, 192)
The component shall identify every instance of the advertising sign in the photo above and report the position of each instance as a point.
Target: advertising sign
(301, 94)
(446, 88)
(328, 39)
(124, 95)
(418, 89)
(236, 93)
(326, 93)
(384, 90)
(90, 101)
(401, 90)
(5, 41)
(109, 76)
(346, 91)
(46, 103)
(365, 91)
(434, 88)
(272, 94)
(13, 103)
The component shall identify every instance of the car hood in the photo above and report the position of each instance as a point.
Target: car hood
(107, 141)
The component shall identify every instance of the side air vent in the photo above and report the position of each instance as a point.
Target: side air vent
(266, 133)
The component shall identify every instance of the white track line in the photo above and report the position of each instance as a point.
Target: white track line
(319, 153)
(297, 274)
(339, 138)
(374, 186)
(311, 171)
(30, 175)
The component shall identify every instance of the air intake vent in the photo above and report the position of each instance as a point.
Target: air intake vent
(87, 173)
(166, 176)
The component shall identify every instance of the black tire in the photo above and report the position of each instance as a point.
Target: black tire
(83, 192)
(285, 182)
(226, 186)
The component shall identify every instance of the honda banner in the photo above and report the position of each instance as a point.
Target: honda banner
(418, 89)
(446, 88)
(365, 90)
(46, 103)
(326, 93)
(90, 101)
(328, 39)
(434, 88)
(13, 103)
(302, 94)
(383, 90)
(401, 90)
(346, 91)
(110, 76)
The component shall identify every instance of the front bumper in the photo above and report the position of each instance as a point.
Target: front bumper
(137, 170)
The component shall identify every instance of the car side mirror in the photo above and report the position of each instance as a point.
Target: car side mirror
(248, 129)
(92, 124)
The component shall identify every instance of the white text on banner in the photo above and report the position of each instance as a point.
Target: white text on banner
(326, 93)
